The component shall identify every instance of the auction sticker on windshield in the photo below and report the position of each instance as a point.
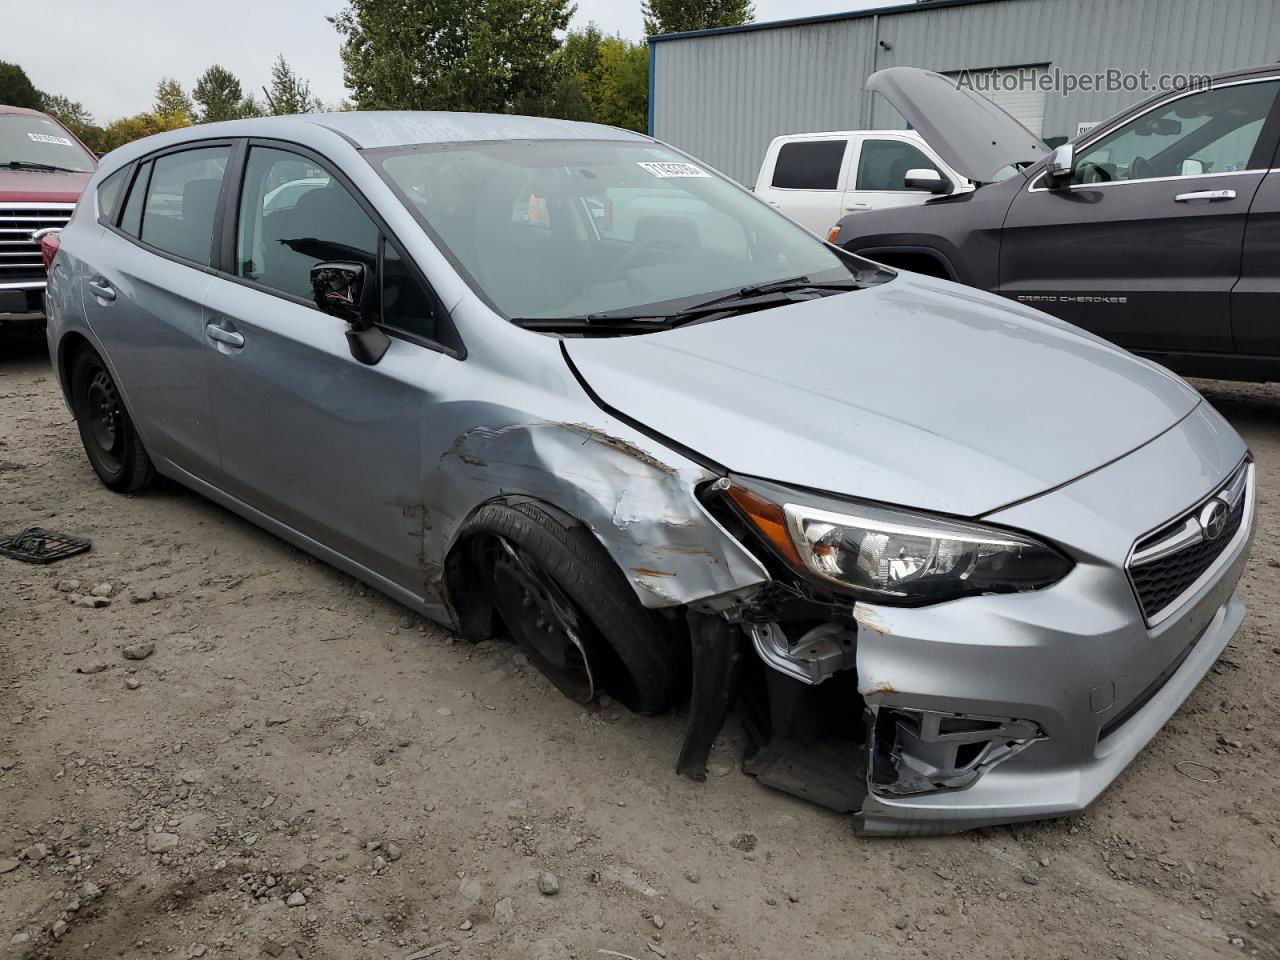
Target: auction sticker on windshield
(46, 138)
(668, 169)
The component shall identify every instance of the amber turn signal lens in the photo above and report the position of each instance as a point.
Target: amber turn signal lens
(833, 233)
(769, 519)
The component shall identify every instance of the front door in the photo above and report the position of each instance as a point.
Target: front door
(1143, 246)
(878, 172)
(144, 279)
(310, 436)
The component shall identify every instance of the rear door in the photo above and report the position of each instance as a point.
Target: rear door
(144, 278)
(1143, 246)
(806, 180)
(877, 173)
(310, 436)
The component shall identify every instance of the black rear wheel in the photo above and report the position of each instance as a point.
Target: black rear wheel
(571, 610)
(110, 440)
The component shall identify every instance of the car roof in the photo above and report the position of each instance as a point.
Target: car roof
(393, 128)
(23, 111)
(912, 134)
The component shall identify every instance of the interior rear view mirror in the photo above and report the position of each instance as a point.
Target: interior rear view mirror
(1061, 165)
(926, 178)
(343, 290)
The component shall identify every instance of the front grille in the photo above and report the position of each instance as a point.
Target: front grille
(19, 254)
(1161, 581)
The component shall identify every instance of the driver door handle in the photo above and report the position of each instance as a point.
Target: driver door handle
(1205, 196)
(229, 337)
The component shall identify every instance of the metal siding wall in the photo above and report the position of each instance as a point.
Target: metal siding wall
(724, 97)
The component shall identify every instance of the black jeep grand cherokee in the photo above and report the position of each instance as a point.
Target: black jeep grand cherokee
(1158, 229)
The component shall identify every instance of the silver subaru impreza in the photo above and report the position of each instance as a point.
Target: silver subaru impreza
(951, 561)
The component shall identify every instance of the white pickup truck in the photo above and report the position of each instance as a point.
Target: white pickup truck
(817, 178)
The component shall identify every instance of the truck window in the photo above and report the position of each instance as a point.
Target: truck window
(809, 165)
(883, 164)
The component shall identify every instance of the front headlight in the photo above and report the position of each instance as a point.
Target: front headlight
(887, 555)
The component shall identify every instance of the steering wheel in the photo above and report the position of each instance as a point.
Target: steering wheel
(1141, 169)
(638, 250)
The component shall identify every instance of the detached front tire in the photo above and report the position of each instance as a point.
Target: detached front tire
(110, 440)
(570, 609)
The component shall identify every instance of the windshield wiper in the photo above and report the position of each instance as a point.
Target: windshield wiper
(594, 323)
(33, 165)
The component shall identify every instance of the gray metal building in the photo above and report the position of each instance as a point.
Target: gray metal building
(723, 94)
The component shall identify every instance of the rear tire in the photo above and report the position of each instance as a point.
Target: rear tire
(570, 609)
(110, 440)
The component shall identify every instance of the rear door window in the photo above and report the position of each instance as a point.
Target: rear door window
(883, 164)
(809, 165)
(181, 203)
(131, 219)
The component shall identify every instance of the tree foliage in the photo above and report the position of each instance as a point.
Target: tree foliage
(677, 16)
(172, 101)
(288, 93)
(220, 97)
(602, 79)
(16, 88)
(484, 55)
(127, 129)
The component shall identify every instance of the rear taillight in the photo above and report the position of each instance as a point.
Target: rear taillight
(48, 247)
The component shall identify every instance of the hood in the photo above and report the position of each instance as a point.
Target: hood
(916, 392)
(968, 131)
(33, 186)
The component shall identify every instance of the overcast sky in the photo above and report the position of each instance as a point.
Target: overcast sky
(108, 54)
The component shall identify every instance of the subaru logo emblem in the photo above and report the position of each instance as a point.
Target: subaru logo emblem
(1213, 519)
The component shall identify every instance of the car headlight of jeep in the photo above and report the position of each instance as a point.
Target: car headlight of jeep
(889, 555)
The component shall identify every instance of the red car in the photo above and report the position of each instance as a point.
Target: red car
(43, 170)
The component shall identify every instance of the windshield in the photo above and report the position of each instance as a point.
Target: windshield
(548, 229)
(41, 141)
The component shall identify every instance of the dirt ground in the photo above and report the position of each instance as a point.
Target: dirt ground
(297, 737)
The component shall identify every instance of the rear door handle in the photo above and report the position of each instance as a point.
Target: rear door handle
(101, 288)
(858, 206)
(229, 337)
(1205, 196)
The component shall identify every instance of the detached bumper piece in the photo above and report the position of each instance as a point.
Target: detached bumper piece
(37, 545)
(921, 751)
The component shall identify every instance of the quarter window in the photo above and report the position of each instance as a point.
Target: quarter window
(110, 192)
(883, 164)
(182, 203)
(809, 165)
(1215, 131)
(131, 220)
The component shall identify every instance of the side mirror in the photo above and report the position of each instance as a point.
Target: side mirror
(1061, 165)
(926, 178)
(1191, 167)
(342, 290)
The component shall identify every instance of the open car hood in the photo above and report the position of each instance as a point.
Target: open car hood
(915, 392)
(969, 132)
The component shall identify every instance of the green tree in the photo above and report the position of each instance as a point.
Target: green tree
(677, 16)
(172, 101)
(221, 97)
(75, 118)
(487, 55)
(16, 88)
(288, 92)
(126, 129)
(573, 67)
(620, 84)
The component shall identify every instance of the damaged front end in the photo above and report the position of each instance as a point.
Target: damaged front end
(824, 720)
